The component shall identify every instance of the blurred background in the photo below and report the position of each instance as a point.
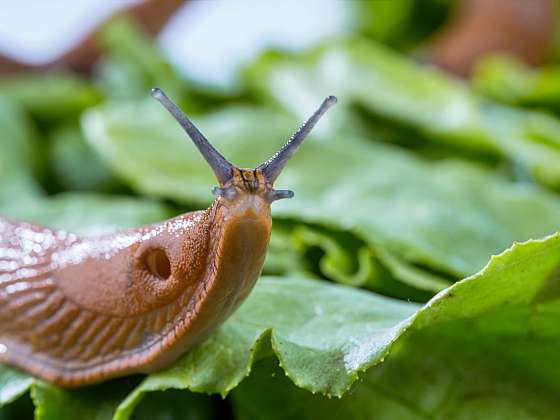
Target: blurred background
(443, 150)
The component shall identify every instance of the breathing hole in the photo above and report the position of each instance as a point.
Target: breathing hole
(158, 264)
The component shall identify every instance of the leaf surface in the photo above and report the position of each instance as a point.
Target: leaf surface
(323, 336)
(448, 215)
(396, 89)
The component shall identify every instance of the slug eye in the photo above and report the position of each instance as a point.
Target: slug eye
(157, 263)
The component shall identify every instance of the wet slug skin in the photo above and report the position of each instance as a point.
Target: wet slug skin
(76, 311)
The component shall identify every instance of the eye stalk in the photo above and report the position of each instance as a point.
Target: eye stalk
(273, 167)
(219, 164)
(225, 170)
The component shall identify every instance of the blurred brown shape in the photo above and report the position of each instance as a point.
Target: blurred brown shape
(150, 14)
(523, 28)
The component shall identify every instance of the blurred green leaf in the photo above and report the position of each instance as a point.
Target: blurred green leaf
(75, 164)
(13, 384)
(402, 24)
(282, 256)
(17, 153)
(448, 216)
(392, 87)
(382, 20)
(21, 409)
(133, 64)
(90, 403)
(357, 265)
(507, 80)
(51, 96)
(429, 376)
(338, 262)
(87, 213)
(386, 83)
(316, 252)
(410, 274)
(177, 405)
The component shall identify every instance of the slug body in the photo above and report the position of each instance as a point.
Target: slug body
(75, 311)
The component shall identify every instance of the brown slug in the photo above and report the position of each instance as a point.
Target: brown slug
(76, 311)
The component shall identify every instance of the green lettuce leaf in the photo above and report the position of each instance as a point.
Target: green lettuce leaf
(132, 64)
(355, 264)
(175, 405)
(87, 403)
(13, 384)
(282, 256)
(419, 380)
(75, 165)
(495, 330)
(394, 88)
(505, 79)
(382, 20)
(51, 96)
(86, 213)
(21, 198)
(18, 152)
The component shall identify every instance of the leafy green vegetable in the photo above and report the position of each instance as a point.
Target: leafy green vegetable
(76, 166)
(358, 265)
(499, 317)
(88, 403)
(394, 88)
(418, 380)
(338, 263)
(507, 80)
(17, 156)
(49, 96)
(133, 65)
(448, 216)
(382, 20)
(177, 405)
(13, 384)
(21, 197)
(324, 335)
(489, 306)
(102, 213)
(282, 257)
(410, 274)
(21, 409)
(380, 80)
(403, 223)
(402, 23)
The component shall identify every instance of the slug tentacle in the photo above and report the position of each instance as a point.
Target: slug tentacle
(280, 194)
(218, 163)
(273, 167)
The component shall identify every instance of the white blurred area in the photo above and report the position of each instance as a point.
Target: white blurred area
(208, 40)
(38, 31)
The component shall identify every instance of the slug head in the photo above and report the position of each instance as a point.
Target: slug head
(237, 182)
